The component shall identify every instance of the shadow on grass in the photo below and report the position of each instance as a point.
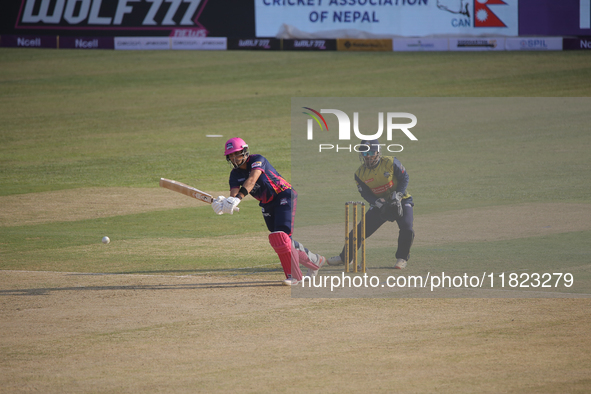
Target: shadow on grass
(189, 272)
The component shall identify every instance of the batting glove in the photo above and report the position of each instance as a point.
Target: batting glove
(230, 204)
(218, 205)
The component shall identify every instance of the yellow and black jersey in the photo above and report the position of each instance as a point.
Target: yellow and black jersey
(380, 182)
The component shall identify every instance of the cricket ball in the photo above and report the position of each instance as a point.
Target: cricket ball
(106, 240)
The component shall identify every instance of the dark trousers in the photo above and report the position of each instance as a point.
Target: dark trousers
(279, 214)
(375, 218)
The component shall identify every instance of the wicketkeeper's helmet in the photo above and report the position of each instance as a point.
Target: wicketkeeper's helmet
(370, 153)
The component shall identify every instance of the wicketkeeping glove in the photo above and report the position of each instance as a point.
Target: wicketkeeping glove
(230, 204)
(218, 205)
(380, 204)
(396, 201)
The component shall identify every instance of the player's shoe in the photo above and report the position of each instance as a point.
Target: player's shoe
(311, 273)
(336, 260)
(400, 264)
(290, 281)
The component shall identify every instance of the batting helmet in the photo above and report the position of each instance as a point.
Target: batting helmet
(235, 145)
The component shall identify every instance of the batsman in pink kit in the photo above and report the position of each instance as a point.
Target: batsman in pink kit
(254, 175)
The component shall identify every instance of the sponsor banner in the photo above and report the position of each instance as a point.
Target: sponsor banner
(420, 44)
(86, 42)
(533, 44)
(142, 43)
(200, 43)
(477, 44)
(128, 18)
(310, 45)
(254, 43)
(408, 18)
(555, 17)
(351, 44)
(581, 43)
(28, 41)
(114, 15)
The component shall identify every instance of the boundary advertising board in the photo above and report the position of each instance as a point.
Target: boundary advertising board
(555, 17)
(410, 18)
(174, 18)
(298, 19)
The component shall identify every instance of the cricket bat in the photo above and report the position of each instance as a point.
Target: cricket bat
(187, 190)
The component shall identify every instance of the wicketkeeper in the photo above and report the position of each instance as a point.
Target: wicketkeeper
(254, 175)
(382, 181)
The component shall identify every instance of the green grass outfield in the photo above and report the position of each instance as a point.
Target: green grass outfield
(72, 119)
